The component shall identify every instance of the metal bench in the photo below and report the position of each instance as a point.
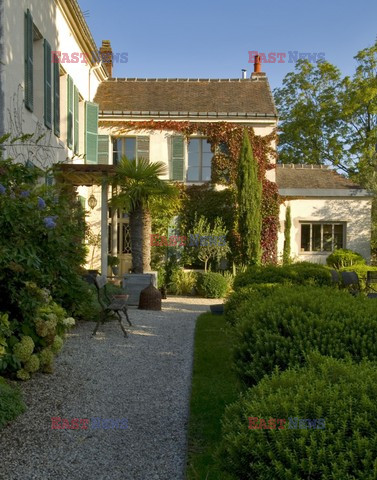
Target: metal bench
(350, 280)
(371, 284)
(117, 305)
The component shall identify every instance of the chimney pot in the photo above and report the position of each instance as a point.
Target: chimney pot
(244, 73)
(257, 64)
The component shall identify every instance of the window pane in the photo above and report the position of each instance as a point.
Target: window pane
(193, 154)
(305, 238)
(193, 174)
(206, 146)
(316, 238)
(207, 159)
(327, 238)
(206, 174)
(338, 236)
(117, 150)
(131, 148)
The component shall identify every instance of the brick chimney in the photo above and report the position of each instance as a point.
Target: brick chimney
(106, 53)
(258, 68)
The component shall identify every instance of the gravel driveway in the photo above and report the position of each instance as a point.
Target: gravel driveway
(144, 379)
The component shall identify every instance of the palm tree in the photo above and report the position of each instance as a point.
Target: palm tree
(139, 187)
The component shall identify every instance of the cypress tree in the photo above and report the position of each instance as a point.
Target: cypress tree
(249, 204)
(287, 237)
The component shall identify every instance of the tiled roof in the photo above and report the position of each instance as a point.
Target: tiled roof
(311, 176)
(214, 97)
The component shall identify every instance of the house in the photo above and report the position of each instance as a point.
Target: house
(56, 86)
(328, 211)
(49, 75)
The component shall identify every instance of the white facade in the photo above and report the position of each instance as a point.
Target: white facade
(350, 212)
(61, 24)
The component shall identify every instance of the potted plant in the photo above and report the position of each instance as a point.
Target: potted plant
(113, 263)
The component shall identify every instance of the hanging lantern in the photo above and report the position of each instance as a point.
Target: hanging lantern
(92, 201)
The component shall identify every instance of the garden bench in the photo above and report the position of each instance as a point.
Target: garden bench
(371, 284)
(351, 281)
(116, 305)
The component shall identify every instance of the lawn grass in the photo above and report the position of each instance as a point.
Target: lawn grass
(11, 403)
(214, 385)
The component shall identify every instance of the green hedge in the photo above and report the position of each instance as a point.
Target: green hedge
(344, 258)
(303, 273)
(235, 306)
(280, 329)
(212, 285)
(339, 392)
(11, 403)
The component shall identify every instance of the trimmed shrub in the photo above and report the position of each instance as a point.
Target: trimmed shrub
(303, 273)
(234, 308)
(280, 329)
(344, 258)
(339, 392)
(11, 404)
(211, 285)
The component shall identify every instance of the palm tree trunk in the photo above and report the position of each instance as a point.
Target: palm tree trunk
(136, 232)
(147, 230)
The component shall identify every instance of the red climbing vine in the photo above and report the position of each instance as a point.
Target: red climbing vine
(225, 139)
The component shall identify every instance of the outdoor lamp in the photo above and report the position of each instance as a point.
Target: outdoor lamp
(92, 201)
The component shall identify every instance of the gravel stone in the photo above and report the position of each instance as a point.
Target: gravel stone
(144, 378)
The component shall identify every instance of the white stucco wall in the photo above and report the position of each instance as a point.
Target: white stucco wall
(355, 212)
(54, 27)
(159, 145)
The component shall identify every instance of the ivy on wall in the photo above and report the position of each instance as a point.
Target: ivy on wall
(226, 141)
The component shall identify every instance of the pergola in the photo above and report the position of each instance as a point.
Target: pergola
(89, 175)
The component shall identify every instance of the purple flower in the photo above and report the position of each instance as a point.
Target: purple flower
(50, 222)
(41, 203)
(2, 189)
(25, 193)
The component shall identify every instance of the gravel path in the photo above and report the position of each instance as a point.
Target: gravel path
(144, 379)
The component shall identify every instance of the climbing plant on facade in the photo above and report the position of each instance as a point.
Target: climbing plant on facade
(226, 140)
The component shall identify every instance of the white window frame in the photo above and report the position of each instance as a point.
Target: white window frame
(322, 223)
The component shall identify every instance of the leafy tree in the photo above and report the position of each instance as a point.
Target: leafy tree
(209, 241)
(140, 189)
(249, 204)
(287, 237)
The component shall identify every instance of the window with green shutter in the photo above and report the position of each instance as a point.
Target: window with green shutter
(76, 119)
(29, 98)
(103, 149)
(142, 147)
(56, 99)
(69, 112)
(177, 158)
(91, 132)
(47, 85)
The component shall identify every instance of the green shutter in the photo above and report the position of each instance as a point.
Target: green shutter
(47, 85)
(91, 132)
(76, 119)
(69, 112)
(29, 99)
(103, 149)
(177, 158)
(56, 99)
(142, 147)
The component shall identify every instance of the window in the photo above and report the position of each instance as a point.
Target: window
(322, 237)
(133, 148)
(29, 38)
(199, 160)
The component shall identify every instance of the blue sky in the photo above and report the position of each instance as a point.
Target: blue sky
(211, 39)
